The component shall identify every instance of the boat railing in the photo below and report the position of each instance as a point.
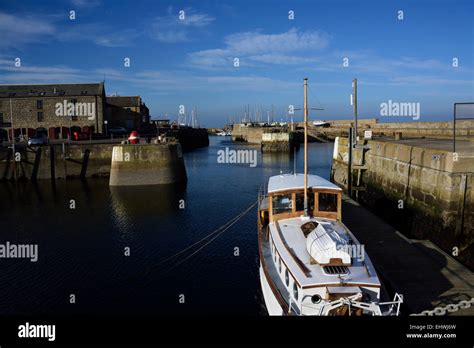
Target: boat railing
(394, 306)
(293, 308)
(376, 308)
(262, 195)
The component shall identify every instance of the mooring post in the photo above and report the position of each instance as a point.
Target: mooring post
(85, 161)
(34, 173)
(52, 162)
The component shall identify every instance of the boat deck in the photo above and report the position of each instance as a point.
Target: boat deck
(291, 243)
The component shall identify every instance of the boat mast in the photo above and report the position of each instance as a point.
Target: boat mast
(305, 108)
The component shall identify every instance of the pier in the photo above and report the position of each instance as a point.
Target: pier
(434, 130)
(426, 276)
(160, 163)
(270, 139)
(147, 164)
(418, 185)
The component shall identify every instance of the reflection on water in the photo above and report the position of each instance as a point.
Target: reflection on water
(141, 201)
(132, 203)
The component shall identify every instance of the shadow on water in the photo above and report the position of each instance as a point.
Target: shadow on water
(144, 201)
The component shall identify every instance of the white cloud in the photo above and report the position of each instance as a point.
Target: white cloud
(17, 30)
(29, 74)
(172, 29)
(117, 39)
(292, 41)
(291, 47)
(428, 80)
(283, 59)
(85, 3)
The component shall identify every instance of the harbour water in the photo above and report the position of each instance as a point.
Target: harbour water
(83, 251)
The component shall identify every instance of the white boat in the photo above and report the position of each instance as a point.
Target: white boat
(310, 262)
(320, 123)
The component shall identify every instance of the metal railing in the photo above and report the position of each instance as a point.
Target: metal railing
(376, 308)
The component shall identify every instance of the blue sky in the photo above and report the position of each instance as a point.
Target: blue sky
(191, 62)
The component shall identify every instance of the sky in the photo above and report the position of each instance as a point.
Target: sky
(190, 60)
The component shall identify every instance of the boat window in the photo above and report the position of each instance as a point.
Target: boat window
(299, 201)
(295, 291)
(282, 204)
(287, 277)
(327, 202)
(279, 265)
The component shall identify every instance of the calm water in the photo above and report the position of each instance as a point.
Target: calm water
(81, 251)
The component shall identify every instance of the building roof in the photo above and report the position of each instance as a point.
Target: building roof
(296, 181)
(126, 101)
(51, 90)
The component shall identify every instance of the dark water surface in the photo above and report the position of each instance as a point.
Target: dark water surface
(81, 251)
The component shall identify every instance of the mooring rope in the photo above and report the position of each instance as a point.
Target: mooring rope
(214, 234)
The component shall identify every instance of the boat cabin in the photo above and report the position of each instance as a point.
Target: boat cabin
(286, 198)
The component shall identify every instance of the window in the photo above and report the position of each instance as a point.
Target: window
(287, 277)
(299, 201)
(40, 116)
(282, 204)
(279, 265)
(327, 202)
(295, 291)
(39, 104)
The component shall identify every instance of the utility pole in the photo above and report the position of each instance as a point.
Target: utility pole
(13, 139)
(354, 105)
(305, 147)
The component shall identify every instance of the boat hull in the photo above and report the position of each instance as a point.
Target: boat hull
(271, 302)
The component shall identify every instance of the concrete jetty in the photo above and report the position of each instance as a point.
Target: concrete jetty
(270, 139)
(147, 164)
(418, 185)
(84, 160)
(437, 130)
(58, 161)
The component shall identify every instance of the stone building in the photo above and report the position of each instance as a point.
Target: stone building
(129, 112)
(55, 109)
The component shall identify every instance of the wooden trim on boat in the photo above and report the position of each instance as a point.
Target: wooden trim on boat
(341, 285)
(335, 215)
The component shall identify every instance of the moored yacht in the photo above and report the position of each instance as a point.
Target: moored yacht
(310, 262)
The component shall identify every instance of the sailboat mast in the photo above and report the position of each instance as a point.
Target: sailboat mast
(305, 146)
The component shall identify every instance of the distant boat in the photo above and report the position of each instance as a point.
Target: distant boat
(310, 263)
(320, 123)
(223, 134)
